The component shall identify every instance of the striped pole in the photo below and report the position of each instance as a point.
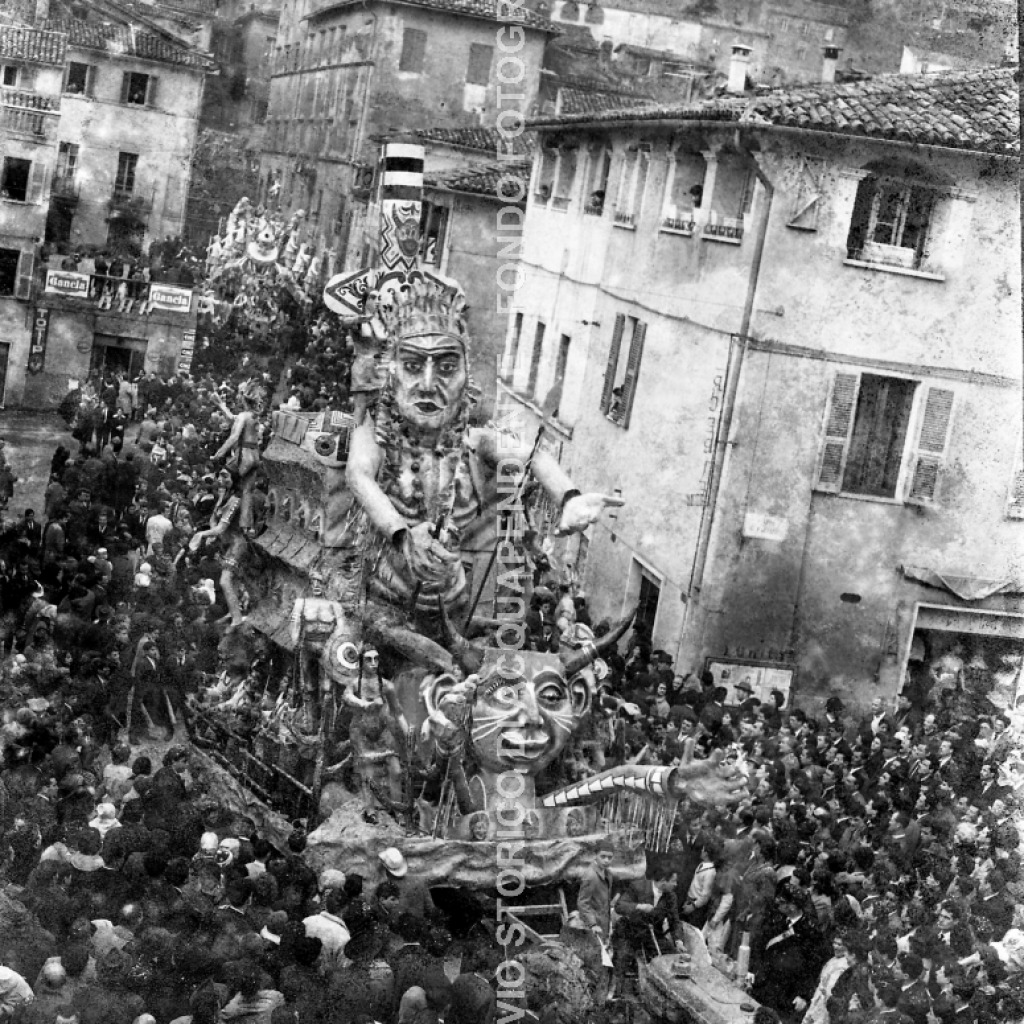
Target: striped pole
(401, 205)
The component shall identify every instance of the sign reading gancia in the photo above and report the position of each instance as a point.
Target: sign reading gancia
(165, 296)
(64, 282)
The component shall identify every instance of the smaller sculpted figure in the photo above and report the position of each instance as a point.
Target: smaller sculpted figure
(224, 524)
(313, 621)
(378, 733)
(243, 446)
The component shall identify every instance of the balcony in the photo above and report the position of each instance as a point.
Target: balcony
(724, 229)
(625, 219)
(678, 225)
(29, 115)
(64, 186)
(129, 205)
(115, 295)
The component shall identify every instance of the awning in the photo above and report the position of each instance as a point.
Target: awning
(967, 588)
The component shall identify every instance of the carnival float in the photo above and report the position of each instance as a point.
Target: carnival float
(362, 693)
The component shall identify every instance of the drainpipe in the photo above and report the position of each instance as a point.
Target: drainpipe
(738, 347)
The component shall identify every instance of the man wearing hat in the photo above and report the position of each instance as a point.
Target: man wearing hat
(414, 896)
(743, 697)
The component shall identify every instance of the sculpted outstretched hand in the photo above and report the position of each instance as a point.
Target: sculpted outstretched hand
(584, 510)
(427, 558)
(708, 781)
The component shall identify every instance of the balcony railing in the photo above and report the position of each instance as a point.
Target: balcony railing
(625, 218)
(64, 186)
(117, 294)
(29, 114)
(560, 203)
(683, 225)
(724, 227)
(129, 204)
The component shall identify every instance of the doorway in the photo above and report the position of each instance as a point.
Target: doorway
(118, 355)
(644, 590)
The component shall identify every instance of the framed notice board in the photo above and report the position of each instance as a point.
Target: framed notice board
(762, 677)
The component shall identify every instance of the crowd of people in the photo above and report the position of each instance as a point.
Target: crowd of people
(870, 875)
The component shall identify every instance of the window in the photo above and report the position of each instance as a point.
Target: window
(890, 222)
(564, 344)
(621, 376)
(885, 437)
(14, 184)
(632, 183)
(8, 270)
(599, 162)
(124, 182)
(535, 356)
(10, 75)
(684, 190)
(565, 178)
(79, 79)
(138, 89)
(546, 173)
(67, 162)
(433, 226)
(478, 71)
(731, 197)
(414, 50)
(513, 347)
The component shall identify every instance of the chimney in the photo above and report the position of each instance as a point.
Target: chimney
(42, 11)
(738, 65)
(828, 65)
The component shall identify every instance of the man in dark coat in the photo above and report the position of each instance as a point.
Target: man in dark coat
(794, 954)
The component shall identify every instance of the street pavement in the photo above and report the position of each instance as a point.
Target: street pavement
(31, 440)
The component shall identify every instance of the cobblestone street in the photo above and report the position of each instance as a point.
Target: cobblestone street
(31, 439)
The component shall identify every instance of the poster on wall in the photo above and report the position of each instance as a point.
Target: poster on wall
(761, 676)
(165, 296)
(65, 282)
(40, 335)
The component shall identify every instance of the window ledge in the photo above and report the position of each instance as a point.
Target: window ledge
(890, 268)
(879, 499)
(625, 225)
(724, 239)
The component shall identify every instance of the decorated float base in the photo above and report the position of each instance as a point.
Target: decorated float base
(347, 842)
(703, 996)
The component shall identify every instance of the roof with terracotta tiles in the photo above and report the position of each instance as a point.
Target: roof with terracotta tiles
(583, 101)
(124, 40)
(32, 44)
(482, 181)
(478, 140)
(975, 111)
(485, 9)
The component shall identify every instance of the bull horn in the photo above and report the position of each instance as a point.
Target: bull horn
(469, 656)
(593, 649)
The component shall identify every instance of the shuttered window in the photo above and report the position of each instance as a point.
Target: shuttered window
(535, 357)
(621, 378)
(613, 363)
(932, 446)
(883, 433)
(636, 354)
(414, 50)
(513, 347)
(26, 273)
(478, 72)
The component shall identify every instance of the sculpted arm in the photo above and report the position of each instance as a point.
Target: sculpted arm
(364, 461)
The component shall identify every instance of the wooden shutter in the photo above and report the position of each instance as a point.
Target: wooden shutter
(842, 404)
(151, 91)
(932, 446)
(36, 181)
(478, 71)
(26, 272)
(125, 80)
(636, 354)
(90, 79)
(613, 363)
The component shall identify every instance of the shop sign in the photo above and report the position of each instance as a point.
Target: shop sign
(165, 296)
(188, 347)
(758, 526)
(64, 282)
(40, 334)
